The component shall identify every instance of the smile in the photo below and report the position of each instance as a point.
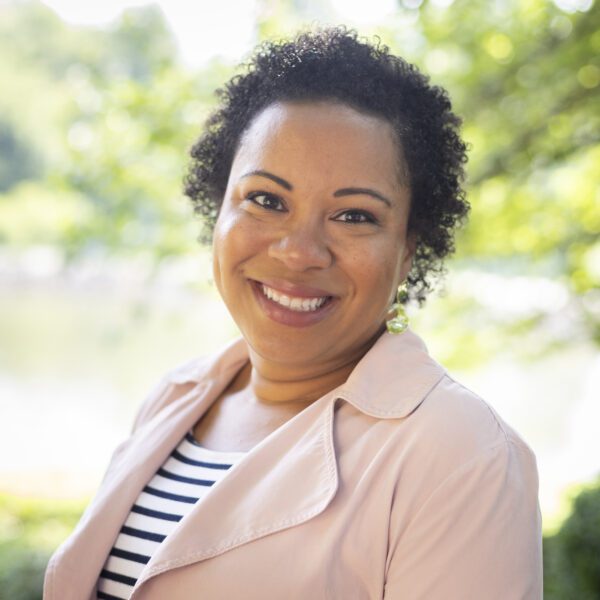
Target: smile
(292, 303)
(293, 306)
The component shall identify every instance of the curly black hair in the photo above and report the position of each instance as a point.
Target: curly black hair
(334, 64)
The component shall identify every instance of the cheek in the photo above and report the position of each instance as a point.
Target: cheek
(235, 240)
(377, 269)
(220, 248)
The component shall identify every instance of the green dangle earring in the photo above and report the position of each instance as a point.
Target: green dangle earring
(399, 322)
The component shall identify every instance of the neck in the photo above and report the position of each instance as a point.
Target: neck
(271, 384)
(284, 389)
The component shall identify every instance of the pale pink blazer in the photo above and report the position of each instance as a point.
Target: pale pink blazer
(398, 484)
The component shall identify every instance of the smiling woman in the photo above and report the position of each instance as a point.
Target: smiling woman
(322, 454)
(312, 237)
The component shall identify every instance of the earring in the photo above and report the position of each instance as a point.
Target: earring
(399, 322)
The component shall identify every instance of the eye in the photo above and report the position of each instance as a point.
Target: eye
(356, 216)
(266, 200)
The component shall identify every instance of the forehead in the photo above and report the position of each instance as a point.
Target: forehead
(333, 136)
(317, 113)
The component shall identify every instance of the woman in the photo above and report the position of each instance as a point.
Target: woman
(347, 463)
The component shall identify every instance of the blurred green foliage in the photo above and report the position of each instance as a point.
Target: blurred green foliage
(94, 130)
(32, 529)
(571, 565)
(95, 125)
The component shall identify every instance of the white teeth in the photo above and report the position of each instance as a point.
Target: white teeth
(297, 304)
(315, 303)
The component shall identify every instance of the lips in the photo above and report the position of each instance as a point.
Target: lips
(295, 303)
(296, 290)
(292, 304)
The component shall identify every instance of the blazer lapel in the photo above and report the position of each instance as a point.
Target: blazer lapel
(287, 479)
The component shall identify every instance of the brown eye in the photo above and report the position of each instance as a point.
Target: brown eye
(266, 201)
(356, 216)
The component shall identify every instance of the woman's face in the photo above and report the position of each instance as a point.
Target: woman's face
(311, 241)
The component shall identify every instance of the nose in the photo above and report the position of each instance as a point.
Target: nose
(301, 247)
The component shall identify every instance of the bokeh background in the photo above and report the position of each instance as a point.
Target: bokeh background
(103, 285)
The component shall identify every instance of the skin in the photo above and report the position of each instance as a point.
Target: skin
(294, 213)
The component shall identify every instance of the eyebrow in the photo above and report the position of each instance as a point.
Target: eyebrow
(351, 191)
(282, 182)
(367, 191)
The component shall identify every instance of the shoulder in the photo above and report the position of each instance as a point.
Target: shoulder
(465, 504)
(436, 420)
(456, 436)
(398, 380)
(462, 418)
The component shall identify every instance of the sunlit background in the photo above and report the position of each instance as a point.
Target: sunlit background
(103, 286)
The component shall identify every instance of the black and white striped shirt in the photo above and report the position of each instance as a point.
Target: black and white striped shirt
(184, 478)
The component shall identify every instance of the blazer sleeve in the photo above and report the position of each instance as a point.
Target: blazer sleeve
(477, 537)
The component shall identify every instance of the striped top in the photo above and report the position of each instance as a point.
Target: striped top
(185, 477)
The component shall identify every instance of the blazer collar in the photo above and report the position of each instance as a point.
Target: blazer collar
(393, 378)
(389, 382)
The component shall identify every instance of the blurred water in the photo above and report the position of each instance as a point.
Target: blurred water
(75, 363)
